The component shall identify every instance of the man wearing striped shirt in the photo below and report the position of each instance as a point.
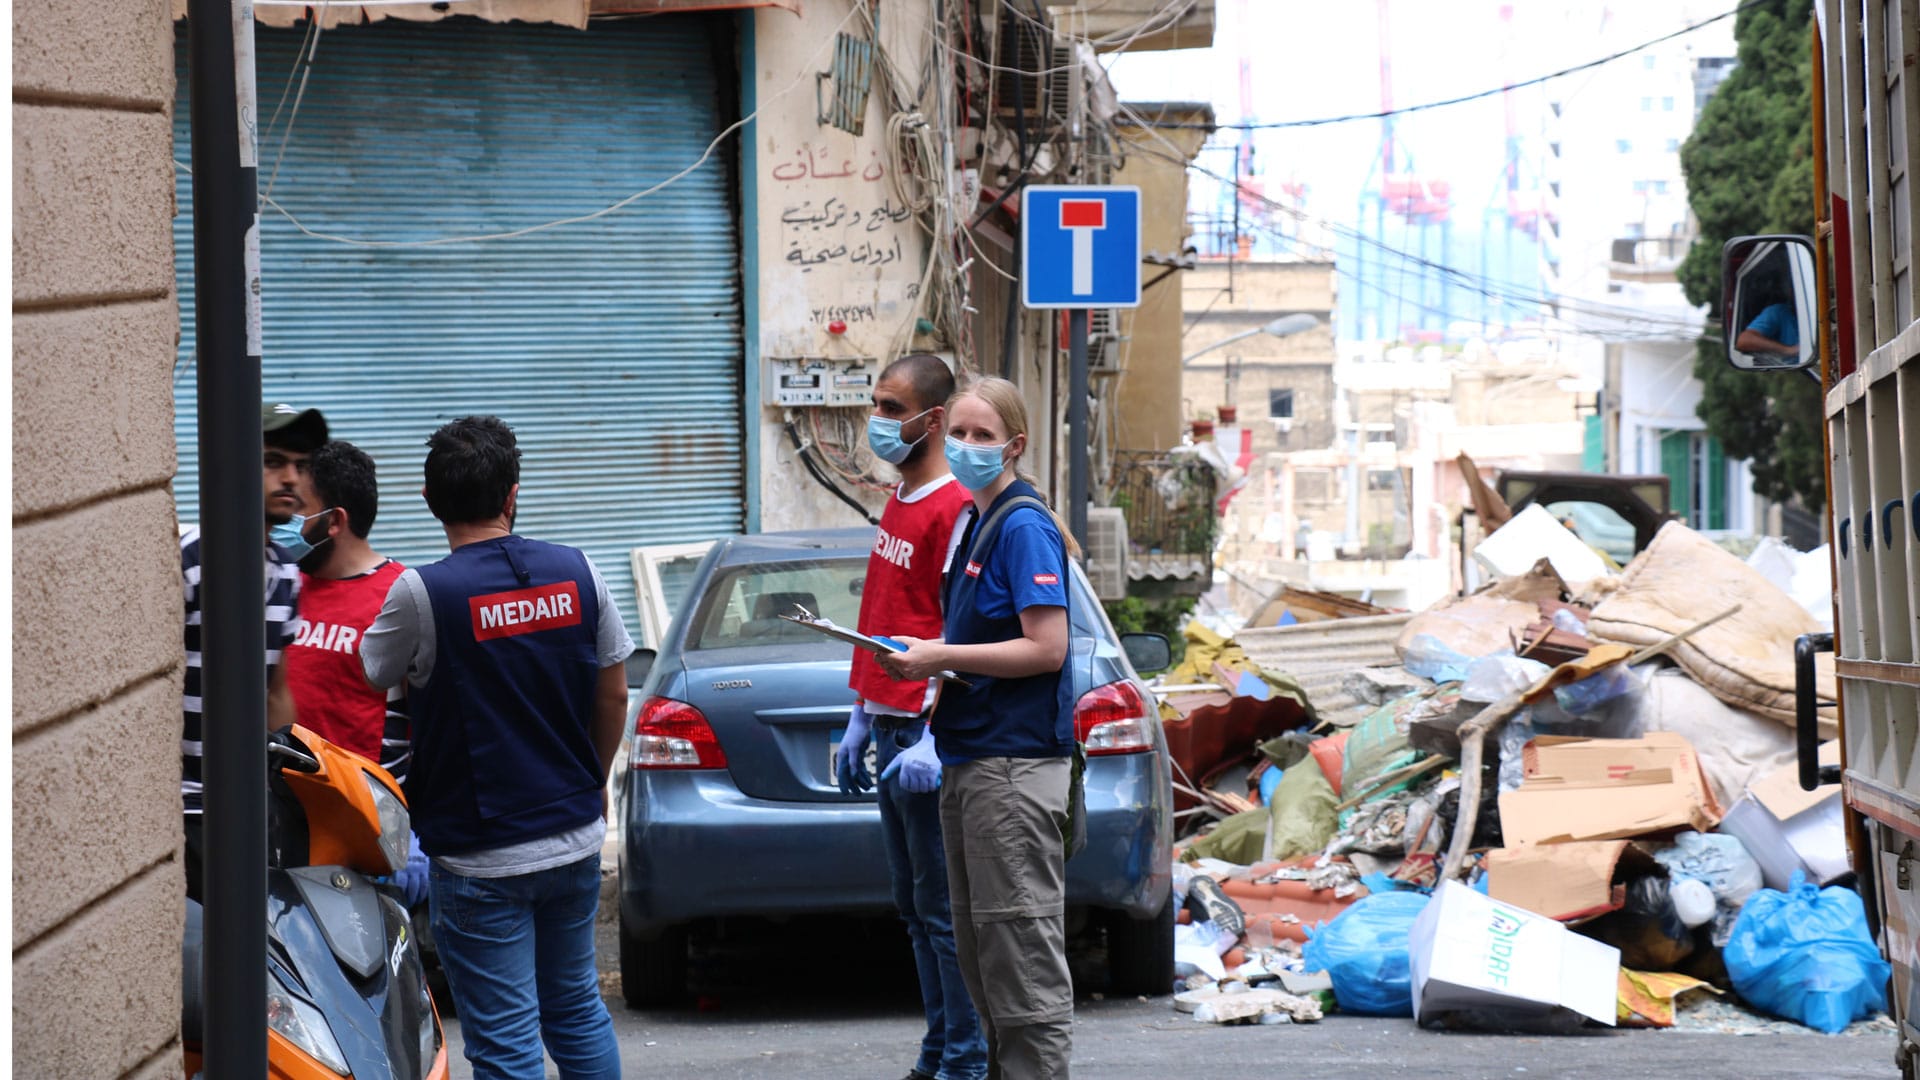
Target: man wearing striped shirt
(290, 434)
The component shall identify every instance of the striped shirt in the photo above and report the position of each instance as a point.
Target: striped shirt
(282, 596)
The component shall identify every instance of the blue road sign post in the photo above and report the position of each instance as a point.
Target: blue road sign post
(1079, 249)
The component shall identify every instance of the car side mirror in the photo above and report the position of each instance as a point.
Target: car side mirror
(1147, 653)
(639, 664)
(1768, 303)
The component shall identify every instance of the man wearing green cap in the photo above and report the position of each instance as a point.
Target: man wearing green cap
(288, 435)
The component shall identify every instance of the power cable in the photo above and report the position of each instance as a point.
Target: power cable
(800, 449)
(1425, 106)
(1488, 287)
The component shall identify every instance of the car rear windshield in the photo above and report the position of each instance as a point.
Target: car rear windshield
(743, 605)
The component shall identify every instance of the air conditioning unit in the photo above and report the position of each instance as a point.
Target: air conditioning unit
(1103, 339)
(1042, 78)
(1107, 551)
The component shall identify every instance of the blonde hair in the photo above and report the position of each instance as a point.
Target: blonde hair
(1005, 400)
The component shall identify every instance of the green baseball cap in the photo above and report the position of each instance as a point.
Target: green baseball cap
(284, 426)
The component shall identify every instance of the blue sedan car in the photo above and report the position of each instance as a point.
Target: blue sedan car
(730, 808)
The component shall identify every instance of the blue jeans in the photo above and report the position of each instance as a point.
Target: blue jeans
(519, 957)
(954, 1048)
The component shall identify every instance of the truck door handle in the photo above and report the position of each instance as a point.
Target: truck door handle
(1806, 711)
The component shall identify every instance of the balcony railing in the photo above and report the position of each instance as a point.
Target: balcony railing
(1168, 500)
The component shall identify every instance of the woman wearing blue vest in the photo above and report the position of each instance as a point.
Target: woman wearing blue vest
(1003, 743)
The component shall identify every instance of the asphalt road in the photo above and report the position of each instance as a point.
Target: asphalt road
(836, 999)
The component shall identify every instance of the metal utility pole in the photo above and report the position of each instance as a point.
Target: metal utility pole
(226, 270)
(1079, 468)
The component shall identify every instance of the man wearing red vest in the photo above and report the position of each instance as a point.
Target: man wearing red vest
(343, 582)
(902, 596)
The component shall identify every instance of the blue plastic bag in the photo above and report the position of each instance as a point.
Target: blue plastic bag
(1364, 951)
(1432, 659)
(1805, 955)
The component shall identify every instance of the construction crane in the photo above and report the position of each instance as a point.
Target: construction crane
(1425, 207)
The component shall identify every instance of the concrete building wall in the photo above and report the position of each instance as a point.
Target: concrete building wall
(97, 886)
(834, 243)
(1147, 414)
(1243, 297)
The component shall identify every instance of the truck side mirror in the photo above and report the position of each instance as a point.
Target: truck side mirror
(1768, 305)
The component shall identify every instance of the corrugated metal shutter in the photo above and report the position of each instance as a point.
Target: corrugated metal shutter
(613, 347)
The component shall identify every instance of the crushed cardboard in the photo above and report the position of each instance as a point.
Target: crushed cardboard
(1607, 789)
(1570, 882)
(1472, 626)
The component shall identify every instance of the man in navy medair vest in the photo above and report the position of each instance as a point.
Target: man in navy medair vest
(512, 654)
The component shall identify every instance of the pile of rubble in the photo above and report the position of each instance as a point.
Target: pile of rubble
(1573, 799)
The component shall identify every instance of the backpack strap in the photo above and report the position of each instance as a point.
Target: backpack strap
(983, 537)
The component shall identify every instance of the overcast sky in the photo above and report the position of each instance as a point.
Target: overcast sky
(1314, 59)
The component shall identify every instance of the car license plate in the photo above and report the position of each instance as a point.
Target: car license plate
(833, 753)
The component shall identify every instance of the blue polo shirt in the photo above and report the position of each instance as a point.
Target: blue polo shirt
(1025, 568)
(1022, 566)
(1778, 322)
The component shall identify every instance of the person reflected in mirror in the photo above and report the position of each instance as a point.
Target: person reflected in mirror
(1775, 331)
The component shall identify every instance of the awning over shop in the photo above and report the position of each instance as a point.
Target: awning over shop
(572, 13)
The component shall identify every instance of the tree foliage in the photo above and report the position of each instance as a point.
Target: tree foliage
(1749, 169)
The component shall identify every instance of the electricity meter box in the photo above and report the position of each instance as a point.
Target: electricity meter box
(820, 380)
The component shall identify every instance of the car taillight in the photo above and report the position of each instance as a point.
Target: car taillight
(1113, 719)
(672, 734)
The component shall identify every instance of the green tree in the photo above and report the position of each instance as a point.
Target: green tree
(1749, 169)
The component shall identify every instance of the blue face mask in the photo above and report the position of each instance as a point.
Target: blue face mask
(291, 538)
(883, 436)
(976, 467)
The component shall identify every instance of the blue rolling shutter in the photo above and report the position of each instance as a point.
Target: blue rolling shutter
(612, 346)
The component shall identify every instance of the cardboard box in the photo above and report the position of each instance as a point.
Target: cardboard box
(1785, 828)
(1569, 882)
(1607, 789)
(1492, 963)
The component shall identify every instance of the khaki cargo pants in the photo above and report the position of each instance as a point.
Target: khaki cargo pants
(1006, 871)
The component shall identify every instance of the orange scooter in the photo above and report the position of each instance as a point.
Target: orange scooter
(346, 990)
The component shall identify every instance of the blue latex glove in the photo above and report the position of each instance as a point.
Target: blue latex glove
(850, 758)
(918, 766)
(412, 878)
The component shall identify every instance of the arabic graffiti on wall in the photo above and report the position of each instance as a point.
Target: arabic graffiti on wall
(835, 232)
(847, 313)
(814, 163)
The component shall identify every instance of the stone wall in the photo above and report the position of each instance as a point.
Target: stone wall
(97, 888)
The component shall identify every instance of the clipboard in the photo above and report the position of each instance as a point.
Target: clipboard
(879, 646)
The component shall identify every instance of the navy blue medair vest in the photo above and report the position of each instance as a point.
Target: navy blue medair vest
(1031, 717)
(502, 730)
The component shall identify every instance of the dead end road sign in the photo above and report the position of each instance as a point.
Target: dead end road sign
(1080, 246)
